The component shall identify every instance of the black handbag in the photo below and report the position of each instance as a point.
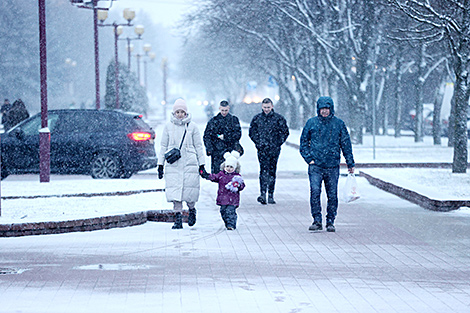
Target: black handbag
(174, 154)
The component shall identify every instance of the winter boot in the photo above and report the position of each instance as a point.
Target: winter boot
(330, 228)
(178, 221)
(261, 199)
(271, 198)
(192, 217)
(315, 226)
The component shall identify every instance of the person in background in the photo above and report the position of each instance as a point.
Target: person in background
(222, 134)
(17, 113)
(182, 177)
(268, 130)
(230, 184)
(323, 138)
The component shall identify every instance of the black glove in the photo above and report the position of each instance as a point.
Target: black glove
(160, 171)
(202, 172)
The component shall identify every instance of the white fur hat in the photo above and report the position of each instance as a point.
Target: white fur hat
(231, 158)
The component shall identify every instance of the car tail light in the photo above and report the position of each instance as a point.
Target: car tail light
(140, 136)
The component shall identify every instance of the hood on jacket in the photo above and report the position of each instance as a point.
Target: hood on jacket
(325, 102)
(177, 121)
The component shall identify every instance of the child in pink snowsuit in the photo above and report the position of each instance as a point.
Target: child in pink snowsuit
(230, 185)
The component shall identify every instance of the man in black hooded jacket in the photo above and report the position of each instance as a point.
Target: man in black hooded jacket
(268, 130)
(222, 134)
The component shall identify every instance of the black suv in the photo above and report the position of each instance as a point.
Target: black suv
(102, 143)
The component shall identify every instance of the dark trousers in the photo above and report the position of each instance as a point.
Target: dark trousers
(267, 169)
(329, 176)
(216, 160)
(229, 215)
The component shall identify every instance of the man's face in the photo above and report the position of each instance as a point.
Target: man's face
(325, 112)
(267, 107)
(224, 110)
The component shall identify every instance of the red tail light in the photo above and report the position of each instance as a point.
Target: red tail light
(139, 136)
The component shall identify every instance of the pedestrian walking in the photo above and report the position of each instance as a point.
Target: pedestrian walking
(17, 113)
(268, 130)
(230, 184)
(222, 134)
(323, 138)
(181, 158)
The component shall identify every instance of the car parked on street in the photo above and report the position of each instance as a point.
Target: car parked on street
(101, 143)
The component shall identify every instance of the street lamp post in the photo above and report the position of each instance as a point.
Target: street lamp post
(165, 73)
(44, 133)
(147, 47)
(118, 30)
(139, 31)
(151, 56)
(93, 4)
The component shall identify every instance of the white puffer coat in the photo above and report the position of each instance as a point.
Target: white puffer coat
(182, 177)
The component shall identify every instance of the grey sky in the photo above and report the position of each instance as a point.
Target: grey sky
(165, 12)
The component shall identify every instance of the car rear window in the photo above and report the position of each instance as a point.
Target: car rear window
(141, 124)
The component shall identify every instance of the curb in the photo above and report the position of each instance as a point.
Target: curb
(414, 197)
(88, 224)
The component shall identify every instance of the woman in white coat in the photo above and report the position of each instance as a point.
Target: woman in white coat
(182, 176)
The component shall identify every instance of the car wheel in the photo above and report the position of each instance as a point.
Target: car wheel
(105, 165)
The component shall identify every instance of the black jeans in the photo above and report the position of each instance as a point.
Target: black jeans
(229, 215)
(267, 169)
(216, 160)
(330, 177)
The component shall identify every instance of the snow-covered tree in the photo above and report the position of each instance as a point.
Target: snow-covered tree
(132, 96)
(447, 21)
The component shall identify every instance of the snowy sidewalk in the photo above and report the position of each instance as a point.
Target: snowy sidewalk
(387, 255)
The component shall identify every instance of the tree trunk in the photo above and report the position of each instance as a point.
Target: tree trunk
(459, 164)
(398, 98)
(436, 118)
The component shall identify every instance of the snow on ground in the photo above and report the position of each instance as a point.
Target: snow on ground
(438, 184)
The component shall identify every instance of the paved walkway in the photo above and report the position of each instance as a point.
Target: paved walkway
(387, 255)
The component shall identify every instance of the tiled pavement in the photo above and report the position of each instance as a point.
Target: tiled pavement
(387, 255)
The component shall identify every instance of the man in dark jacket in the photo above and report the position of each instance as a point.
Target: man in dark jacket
(17, 114)
(268, 130)
(222, 134)
(323, 138)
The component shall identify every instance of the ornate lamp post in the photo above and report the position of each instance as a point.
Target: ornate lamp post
(147, 47)
(139, 31)
(118, 30)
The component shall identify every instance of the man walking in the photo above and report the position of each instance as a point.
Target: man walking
(268, 130)
(221, 135)
(323, 138)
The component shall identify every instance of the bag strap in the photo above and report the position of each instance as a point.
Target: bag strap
(184, 135)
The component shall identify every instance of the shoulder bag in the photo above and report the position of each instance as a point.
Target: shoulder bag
(175, 154)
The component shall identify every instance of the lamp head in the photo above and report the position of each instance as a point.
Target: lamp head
(128, 14)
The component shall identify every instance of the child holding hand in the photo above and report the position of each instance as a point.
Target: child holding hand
(230, 184)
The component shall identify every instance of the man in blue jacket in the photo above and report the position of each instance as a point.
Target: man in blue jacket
(322, 140)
